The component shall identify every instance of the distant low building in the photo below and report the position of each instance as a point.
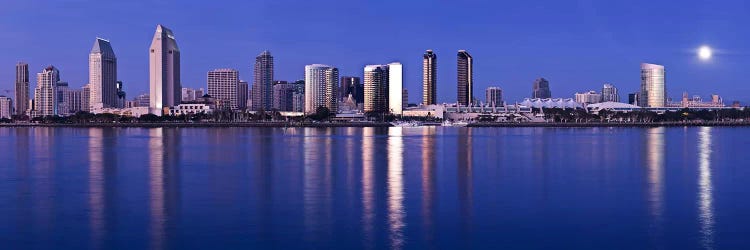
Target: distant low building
(190, 108)
(550, 103)
(590, 97)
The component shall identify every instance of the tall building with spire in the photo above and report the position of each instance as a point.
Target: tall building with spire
(321, 89)
(164, 71)
(540, 89)
(45, 94)
(653, 86)
(429, 78)
(22, 88)
(102, 76)
(465, 78)
(263, 84)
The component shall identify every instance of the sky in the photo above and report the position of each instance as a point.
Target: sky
(578, 45)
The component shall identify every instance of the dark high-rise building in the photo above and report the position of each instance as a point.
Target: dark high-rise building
(351, 85)
(633, 99)
(541, 89)
(121, 95)
(494, 96)
(465, 78)
(242, 94)
(22, 88)
(429, 78)
(263, 83)
(376, 88)
(283, 95)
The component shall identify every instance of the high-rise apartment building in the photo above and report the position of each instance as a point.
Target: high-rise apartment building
(242, 94)
(283, 95)
(376, 88)
(223, 85)
(45, 94)
(653, 86)
(429, 78)
(590, 97)
(465, 77)
(85, 95)
(298, 99)
(63, 97)
(395, 88)
(75, 100)
(6, 107)
(164, 71)
(494, 96)
(609, 93)
(351, 85)
(321, 89)
(263, 84)
(22, 88)
(102, 76)
(541, 89)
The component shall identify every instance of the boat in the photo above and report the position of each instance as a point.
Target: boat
(406, 124)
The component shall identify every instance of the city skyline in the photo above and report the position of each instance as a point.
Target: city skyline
(507, 56)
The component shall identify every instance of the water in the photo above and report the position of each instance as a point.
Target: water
(374, 188)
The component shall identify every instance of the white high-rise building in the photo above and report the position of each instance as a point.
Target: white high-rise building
(223, 85)
(609, 93)
(653, 86)
(321, 88)
(45, 94)
(164, 71)
(102, 76)
(395, 88)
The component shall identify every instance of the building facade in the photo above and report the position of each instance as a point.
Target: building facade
(283, 96)
(395, 88)
(590, 97)
(653, 86)
(540, 89)
(465, 78)
(429, 78)
(102, 76)
(63, 98)
(6, 107)
(164, 71)
(493, 96)
(609, 93)
(45, 94)
(22, 88)
(376, 88)
(263, 84)
(242, 94)
(223, 84)
(321, 88)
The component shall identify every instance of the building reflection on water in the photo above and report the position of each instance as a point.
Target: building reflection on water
(317, 184)
(102, 171)
(464, 174)
(164, 179)
(368, 186)
(396, 211)
(705, 188)
(655, 169)
(429, 179)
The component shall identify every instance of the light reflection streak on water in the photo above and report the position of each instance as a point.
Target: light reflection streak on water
(368, 188)
(156, 187)
(705, 188)
(96, 183)
(396, 212)
(655, 160)
(428, 180)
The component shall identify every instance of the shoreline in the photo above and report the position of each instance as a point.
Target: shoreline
(380, 124)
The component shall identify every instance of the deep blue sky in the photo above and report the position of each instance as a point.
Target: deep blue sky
(577, 45)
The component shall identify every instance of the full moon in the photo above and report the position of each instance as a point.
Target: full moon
(704, 53)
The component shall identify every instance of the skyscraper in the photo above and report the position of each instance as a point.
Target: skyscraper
(63, 98)
(653, 86)
(164, 68)
(494, 96)
(242, 92)
(541, 89)
(264, 80)
(102, 76)
(321, 88)
(609, 93)
(45, 94)
(465, 78)
(283, 96)
(121, 95)
(351, 85)
(85, 95)
(376, 88)
(223, 85)
(429, 78)
(22, 88)
(6, 107)
(75, 100)
(395, 88)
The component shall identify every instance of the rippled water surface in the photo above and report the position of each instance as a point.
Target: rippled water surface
(374, 188)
